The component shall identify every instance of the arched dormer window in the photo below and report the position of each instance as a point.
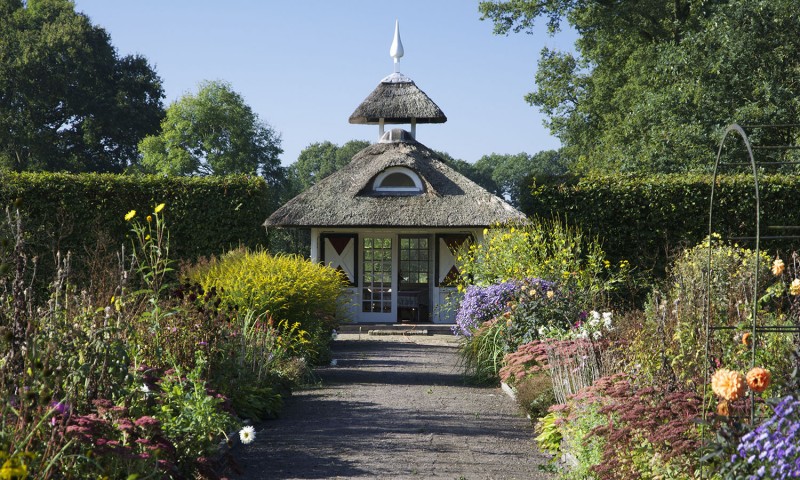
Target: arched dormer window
(397, 180)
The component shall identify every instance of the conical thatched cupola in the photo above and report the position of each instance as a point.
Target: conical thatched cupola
(393, 219)
(397, 99)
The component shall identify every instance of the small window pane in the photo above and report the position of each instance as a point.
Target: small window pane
(397, 179)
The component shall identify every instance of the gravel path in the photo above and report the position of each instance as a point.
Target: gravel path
(394, 407)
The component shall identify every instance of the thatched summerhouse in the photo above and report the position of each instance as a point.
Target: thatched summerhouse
(392, 219)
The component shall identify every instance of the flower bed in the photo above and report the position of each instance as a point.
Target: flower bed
(137, 376)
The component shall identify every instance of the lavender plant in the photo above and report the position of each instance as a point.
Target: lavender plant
(771, 450)
(481, 304)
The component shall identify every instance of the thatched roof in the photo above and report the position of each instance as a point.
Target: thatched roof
(346, 198)
(397, 100)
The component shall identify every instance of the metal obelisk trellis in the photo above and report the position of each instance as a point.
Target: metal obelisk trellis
(755, 328)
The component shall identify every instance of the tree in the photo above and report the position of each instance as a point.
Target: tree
(213, 133)
(482, 176)
(67, 101)
(653, 82)
(319, 160)
(511, 174)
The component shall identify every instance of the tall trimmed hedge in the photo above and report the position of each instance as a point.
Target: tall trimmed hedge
(85, 213)
(646, 219)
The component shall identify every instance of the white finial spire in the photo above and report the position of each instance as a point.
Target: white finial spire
(396, 51)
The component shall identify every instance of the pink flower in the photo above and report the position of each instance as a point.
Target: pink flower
(146, 422)
(125, 425)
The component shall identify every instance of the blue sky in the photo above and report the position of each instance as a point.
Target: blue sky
(304, 66)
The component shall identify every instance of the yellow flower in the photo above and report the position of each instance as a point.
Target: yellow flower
(14, 467)
(159, 207)
(794, 288)
(728, 384)
(778, 267)
(147, 237)
(149, 218)
(758, 379)
(550, 294)
(129, 216)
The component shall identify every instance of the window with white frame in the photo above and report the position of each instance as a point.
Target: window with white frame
(397, 180)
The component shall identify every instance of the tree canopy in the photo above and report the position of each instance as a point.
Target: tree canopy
(68, 102)
(481, 176)
(653, 83)
(511, 174)
(317, 161)
(213, 132)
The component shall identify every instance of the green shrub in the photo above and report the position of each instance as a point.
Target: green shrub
(285, 287)
(83, 214)
(644, 219)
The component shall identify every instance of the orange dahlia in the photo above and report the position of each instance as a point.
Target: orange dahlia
(758, 379)
(746, 338)
(722, 409)
(778, 267)
(728, 384)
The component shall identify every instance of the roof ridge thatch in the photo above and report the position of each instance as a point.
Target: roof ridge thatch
(345, 198)
(397, 102)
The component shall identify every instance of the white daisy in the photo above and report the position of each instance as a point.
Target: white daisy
(595, 320)
(247, 434)
(607, 316)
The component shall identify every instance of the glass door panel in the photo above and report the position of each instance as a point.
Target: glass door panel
(413, 278)
(376, 294)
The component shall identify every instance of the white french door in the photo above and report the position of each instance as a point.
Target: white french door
(377, 279)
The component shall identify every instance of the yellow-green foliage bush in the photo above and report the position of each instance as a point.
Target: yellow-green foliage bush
(547, 249)
(286, 287)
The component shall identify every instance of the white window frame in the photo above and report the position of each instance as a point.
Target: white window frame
(417, 188)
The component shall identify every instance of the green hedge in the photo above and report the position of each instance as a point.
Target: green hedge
(85, 213)
(647, 219)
